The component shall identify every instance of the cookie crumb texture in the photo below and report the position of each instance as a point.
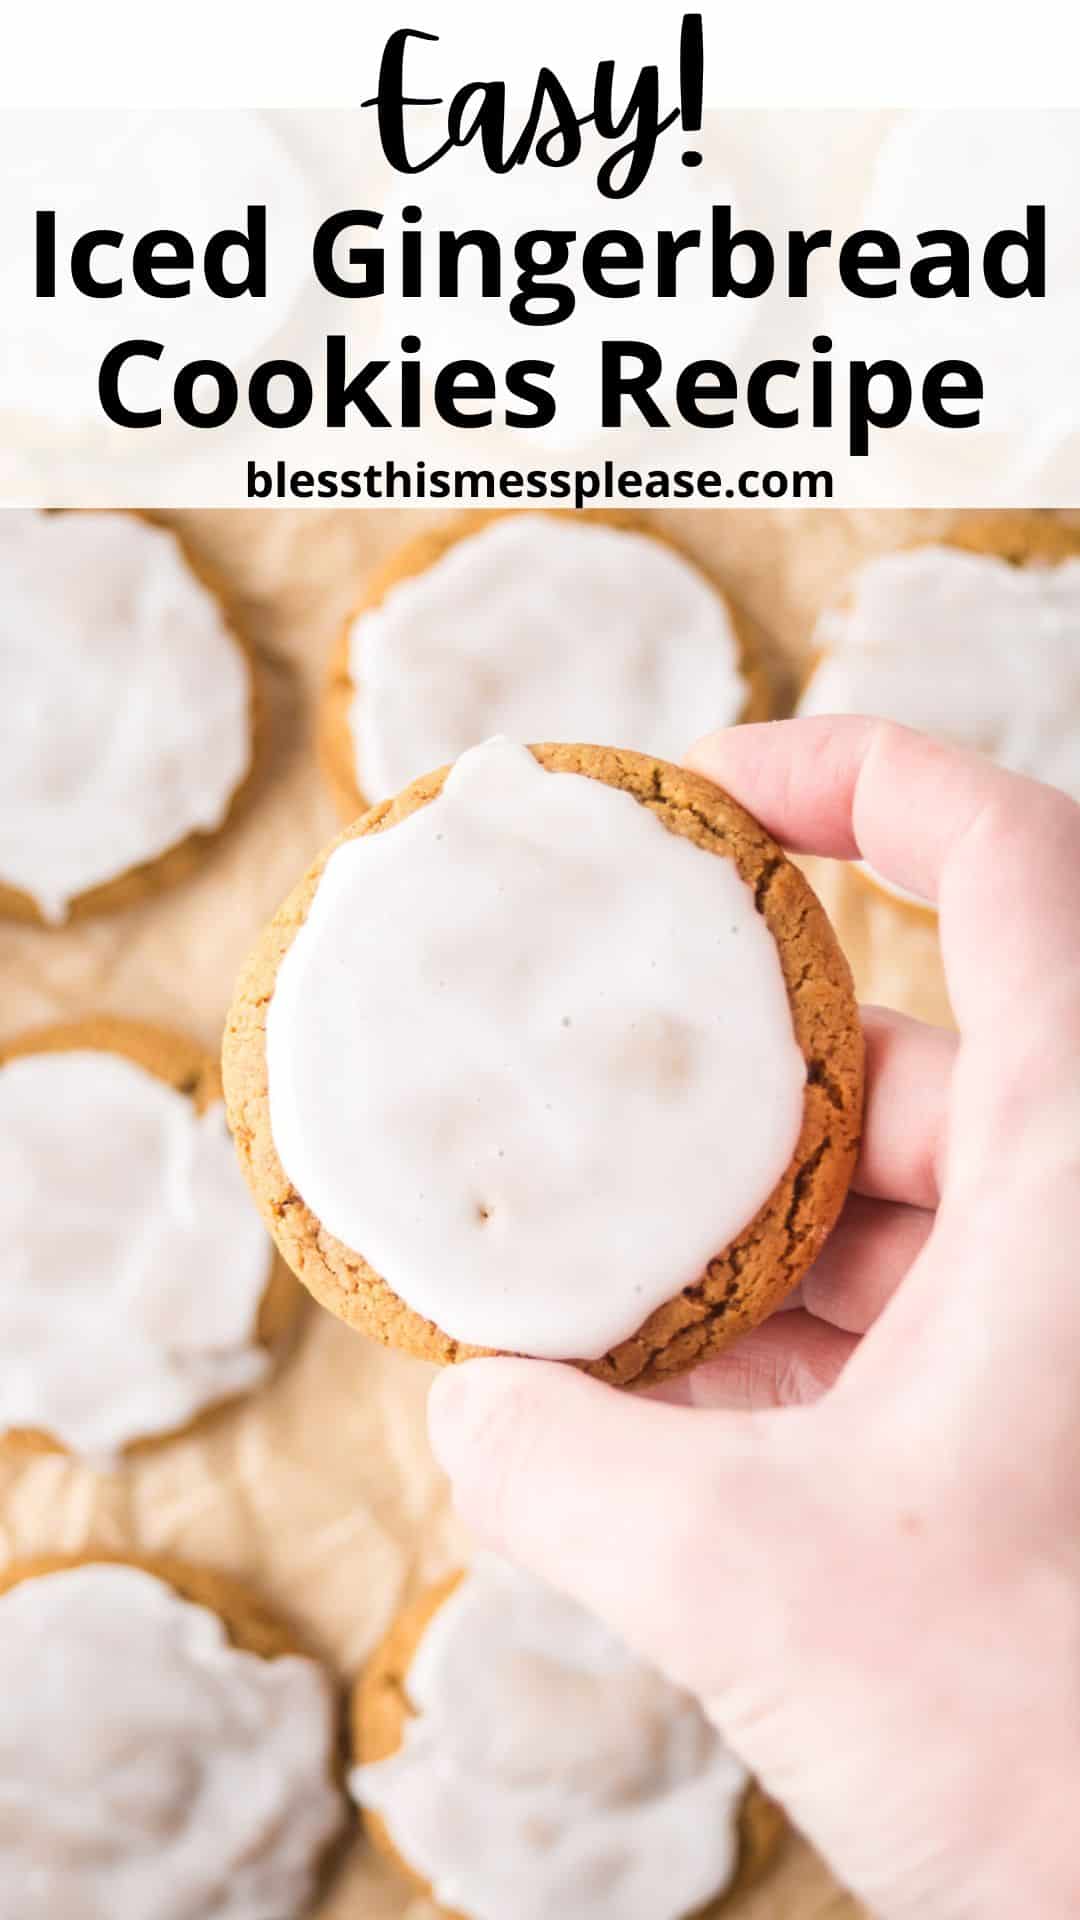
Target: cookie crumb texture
(749, 1277)
(526, 1698)
(187, 1763)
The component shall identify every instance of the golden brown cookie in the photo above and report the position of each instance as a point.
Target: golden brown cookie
(181, 1063)
(177, 862)
(1023, 538)
(336, 746)
(379, 1709)
(747, 1279)
(250, 1625)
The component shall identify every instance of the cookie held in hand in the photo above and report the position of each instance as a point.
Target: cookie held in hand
(974, 639)
(556, 1054)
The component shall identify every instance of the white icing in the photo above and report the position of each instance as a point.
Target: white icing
(547, 1770)
(964, 646)
(147, 1766)
(132, 700)
(134, 1262)
(531, 1055)
(542, 629)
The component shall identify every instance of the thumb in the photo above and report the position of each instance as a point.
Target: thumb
(664, 1521)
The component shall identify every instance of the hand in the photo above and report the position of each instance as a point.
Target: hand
(858, 1537)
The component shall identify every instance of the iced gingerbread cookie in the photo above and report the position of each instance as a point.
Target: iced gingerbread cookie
(137, 713)
(138, 1287)
(555, 1054)
(513, 1757)
(167, 1748)
(542, 626)
(976, 640)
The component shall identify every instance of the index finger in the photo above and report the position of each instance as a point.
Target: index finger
(999, 854)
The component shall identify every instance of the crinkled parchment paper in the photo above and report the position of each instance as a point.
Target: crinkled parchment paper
(320, 1490)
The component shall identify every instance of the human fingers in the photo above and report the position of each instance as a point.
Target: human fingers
(998, 853)
(790, 1361)
(647, 1514)
(799, 1353)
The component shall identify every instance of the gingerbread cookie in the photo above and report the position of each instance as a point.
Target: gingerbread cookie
(138, 1287)
(137, 713)
(556, 1054)
(511, 1756)
(976, 641)
(167, 1747)
(542, 626)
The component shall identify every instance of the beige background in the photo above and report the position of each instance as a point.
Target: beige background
(320, 1491)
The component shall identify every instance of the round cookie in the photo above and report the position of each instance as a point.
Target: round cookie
(1010, 688)
(251, 1626)
(563, 705)
(109, 827)
(133, 1808)
(182, 1065)
(809, 1102)
(381, 1711)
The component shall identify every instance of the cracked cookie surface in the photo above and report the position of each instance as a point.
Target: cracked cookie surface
(744, 1281)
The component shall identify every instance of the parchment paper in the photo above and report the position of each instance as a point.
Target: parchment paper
(320, 1490)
